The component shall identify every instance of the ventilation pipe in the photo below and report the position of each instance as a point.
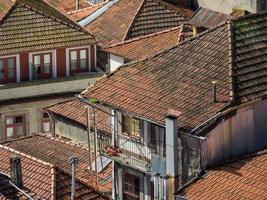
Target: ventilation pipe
(74, 162)
(214, 86)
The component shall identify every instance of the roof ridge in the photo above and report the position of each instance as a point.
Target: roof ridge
(27, 156)
(137, 13)
(249, 16)
(66, 142)
(166, 50)
(74, 25)
(231, 61)
(142, 37)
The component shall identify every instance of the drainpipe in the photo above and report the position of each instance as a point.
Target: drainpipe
(73, 161)
(171, 153)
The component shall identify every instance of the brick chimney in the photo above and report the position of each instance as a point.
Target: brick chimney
(15, 170)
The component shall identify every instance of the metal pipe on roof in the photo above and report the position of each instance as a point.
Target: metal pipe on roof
(73, 161)
(88, 136)
(23, 192)
(77, 4)
(95, 148)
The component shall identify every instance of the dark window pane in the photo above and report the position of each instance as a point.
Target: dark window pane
(19, 119)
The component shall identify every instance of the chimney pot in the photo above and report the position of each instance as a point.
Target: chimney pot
(16, 173)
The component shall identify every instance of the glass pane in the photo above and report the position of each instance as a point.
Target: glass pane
(11, 63)
(9, 132)
(46, 68)
(83, 54)
(73, 55)
(83, 64)
(19, 119)
(1, 69)
(9, 120)
(73, 65)
(37, 60)
(11, 72)
(20, 131)
(47, 59)
(46, 127)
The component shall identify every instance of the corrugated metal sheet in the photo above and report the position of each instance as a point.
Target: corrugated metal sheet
(207, 18)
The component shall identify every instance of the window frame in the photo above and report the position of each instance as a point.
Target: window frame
(45, 120)
(126, 132)
(5, 70)
(78, 67)
(42, 74)
(135, 194)
(15, 125)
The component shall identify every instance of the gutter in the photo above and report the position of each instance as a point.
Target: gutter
(97, 13)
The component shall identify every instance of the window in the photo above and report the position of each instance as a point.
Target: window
(131, 126)
(42, 65)
(45, 123)
(15, 126)
(157, 140)
(78, 60)
(7, 70)
(131, 187)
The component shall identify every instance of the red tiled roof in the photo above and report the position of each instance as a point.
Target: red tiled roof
(38, 27)
(234, 54)
(111, 26)
(179, 78)
(243, 179)
(5, 5)
(76, 110)
(148, 45)
(157, 15)
(56, 152)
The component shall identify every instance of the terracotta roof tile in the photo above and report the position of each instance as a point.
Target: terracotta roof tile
(157, 15)
(242, 179)
(76, 110)
(34, 25)
(112, 25)
(179, 79)
(57, 152)
(148, 45)
(234, 54)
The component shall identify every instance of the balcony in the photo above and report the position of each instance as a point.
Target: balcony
(131, 153)
(45, 87)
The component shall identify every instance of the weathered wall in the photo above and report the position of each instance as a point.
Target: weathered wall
(115, 61)
(241, 133)
(226, 6)
(32, 111)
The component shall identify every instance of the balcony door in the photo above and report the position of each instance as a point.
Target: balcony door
(79, 61)
(8, 70)
(42, 66)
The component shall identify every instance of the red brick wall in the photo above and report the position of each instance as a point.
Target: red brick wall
(61, 62)
(24, 67)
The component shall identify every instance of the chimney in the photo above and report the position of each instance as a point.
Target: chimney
(77, 4)
(15, 167)
(214, 86)
(171, 152)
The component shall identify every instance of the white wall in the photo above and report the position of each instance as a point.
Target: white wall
(115, 61)
(226, 6)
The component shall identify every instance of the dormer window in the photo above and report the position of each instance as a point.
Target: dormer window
(7, 70)
(78, 61)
